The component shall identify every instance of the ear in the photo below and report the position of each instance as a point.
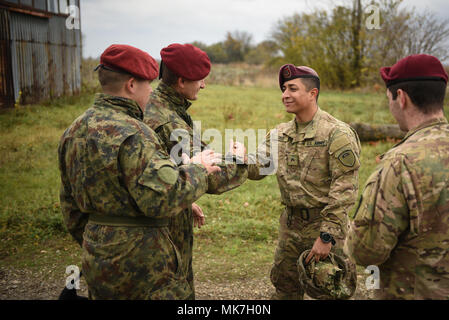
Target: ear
(180, 82)
(130, 85)
(314, 93)
(403, 99)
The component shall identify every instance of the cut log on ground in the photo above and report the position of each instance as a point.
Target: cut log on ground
(369, 132)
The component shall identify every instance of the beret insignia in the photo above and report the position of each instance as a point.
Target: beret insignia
(286, 73)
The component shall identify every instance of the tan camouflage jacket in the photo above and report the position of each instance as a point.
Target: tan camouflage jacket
(317, 168)
(402, 221)
(111, 163)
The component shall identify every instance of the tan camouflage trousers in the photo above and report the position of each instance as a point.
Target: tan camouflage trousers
(295, 236)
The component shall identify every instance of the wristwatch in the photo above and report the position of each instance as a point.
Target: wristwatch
(327, 237)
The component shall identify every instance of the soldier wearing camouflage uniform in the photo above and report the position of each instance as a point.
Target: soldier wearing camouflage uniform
(119, 187)
(318, 161)
(183, 69)
(402, 221)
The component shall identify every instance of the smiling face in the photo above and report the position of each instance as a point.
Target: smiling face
(189, 89)
(296, 98)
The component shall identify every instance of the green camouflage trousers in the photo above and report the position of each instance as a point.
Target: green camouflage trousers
(295, 236)
(181, 232)
(132, 263)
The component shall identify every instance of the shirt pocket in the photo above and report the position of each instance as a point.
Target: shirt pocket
(316, 170)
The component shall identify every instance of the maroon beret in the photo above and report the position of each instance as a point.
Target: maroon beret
(128, 59)
(289, 72)
(417, 67)
(186, 61)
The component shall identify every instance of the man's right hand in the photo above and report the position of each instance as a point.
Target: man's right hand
(237, 149)
(207, 158)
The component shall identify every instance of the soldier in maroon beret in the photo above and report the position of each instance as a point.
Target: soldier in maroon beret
(317, 173)
(127, 71)
(402, 219)
(119, 187)
(183, 70)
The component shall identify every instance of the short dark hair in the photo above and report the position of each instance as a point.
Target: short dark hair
(168, 77)
(112, 80)
(311, 83)
(427, 95)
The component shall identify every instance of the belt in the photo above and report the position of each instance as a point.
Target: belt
(304, 213)
(121, 221)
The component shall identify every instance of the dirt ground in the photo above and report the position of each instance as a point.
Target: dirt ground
(45, 284)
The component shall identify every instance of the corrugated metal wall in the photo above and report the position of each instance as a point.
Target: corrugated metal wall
(6, 84)
(45, 57)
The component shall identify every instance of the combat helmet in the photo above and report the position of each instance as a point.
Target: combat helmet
(328, 279)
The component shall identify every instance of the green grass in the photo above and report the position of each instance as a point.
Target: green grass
(241, 231)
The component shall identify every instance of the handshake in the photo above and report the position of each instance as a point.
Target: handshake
(209, 158)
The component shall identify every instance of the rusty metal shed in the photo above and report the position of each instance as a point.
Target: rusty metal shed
(40, 50)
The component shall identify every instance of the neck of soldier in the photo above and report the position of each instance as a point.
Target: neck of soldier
(307, 114)
(414, 118)
(123, 94)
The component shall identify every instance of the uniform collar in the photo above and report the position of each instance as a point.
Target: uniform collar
(177, 100)
(308, 132)
(122, 104)
(426, 124)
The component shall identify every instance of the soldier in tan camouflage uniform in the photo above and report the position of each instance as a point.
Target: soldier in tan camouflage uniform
(402, 221)
(183, 70)
(119, 187)
(318, 161)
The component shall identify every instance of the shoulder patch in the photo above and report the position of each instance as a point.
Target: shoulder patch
(347, 158)
(168, 174)
(339, 143)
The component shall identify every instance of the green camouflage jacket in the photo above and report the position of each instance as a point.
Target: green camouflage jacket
(402, 221)
(317, 168)
(112, 164)
(166, 113)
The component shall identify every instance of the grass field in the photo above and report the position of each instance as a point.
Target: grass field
(239, 238)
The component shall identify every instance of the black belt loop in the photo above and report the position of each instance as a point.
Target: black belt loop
(304, 214)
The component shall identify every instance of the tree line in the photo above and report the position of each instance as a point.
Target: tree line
(346, 44)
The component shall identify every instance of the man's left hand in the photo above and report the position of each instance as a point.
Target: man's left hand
(320, 250)
(198, 216)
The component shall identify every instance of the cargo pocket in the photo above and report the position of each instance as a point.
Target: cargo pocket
(177, 272)
(173, 289)
(275, 272)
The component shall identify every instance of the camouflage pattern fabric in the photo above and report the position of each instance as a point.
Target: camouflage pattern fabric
(112, 164)
(165, 113)
(402, 220)
(329, 279)
(318, 170)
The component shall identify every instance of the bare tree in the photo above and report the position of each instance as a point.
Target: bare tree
(427, 34)
(237, 44)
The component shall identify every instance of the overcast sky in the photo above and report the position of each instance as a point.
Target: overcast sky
(153, 24)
